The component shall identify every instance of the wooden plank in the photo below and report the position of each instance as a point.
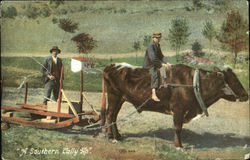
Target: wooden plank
(70, 104)
(65, 115)
(36, 107)
(24, 122)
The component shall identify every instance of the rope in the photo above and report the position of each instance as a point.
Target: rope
(92, 106)
(86, 128)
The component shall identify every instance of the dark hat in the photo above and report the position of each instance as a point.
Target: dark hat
(55, 48)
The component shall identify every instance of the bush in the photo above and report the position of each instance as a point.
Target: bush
(137, 45)
(123, 10)
(32, 12)
(197, 4)
(63, 11)
(147, 39)
(197, 49)
(54, 20)
(11, 12)
(45, 12)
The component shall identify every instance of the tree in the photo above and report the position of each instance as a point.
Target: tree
(147, 39)
(233, 36)
(178, 34)
(209, 32)
(11, 12)
(84, 42)
(68, 26)
(137, 47)
(197, 49)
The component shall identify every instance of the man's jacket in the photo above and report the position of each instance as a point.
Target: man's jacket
(48, 65)
(153, 56)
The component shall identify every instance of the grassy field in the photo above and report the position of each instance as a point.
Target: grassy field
(116, 25)
(15, 69)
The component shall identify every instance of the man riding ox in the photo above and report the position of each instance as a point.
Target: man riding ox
(178, 98)
(154, 60)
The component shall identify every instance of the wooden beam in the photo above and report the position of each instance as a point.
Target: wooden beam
(24, 122)
(35, 107)
(70, 104)
(39, 112)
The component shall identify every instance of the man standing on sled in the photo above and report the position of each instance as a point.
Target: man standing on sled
(51, 71)
(154, 60)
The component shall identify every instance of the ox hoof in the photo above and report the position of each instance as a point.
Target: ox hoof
(180, 149)
(114, 141)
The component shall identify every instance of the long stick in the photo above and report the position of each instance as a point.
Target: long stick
(59, 94)
(41, 65)
(70, 104)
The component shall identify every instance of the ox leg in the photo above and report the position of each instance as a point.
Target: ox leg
(113, 103)
(116, 133)
(178, 122)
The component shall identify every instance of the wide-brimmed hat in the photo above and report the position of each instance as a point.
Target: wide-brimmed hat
(55, 48)
(156, 34)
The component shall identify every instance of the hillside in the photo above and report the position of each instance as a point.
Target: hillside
(114, 24)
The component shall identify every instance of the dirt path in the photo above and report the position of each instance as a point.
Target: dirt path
(227, 125)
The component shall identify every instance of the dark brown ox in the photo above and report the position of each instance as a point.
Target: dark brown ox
(130, 84)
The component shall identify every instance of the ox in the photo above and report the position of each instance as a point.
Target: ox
(126, 83)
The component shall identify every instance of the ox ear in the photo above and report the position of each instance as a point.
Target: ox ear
(216, 69)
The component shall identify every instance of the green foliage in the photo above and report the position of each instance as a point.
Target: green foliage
(233, 35)
(63, 11)
(45, 11)
(197, 49)
(32, 12)
(54, 20)
(166, 151)
(197, 4)
(137, 45)
(56, 3)
(224, 5)
(178, 34)
(11, 12)
(146, 40)
(209, 32)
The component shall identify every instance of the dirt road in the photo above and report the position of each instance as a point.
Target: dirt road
(227, 125)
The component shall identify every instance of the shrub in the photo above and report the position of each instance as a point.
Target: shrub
(123, 10)
(197, 49)
(147, 39)
(11, 12)
(63, 11)
(197, 4)
(54, 20)
(84, 43)
(45, 11)
(137, 45)
(32, 12)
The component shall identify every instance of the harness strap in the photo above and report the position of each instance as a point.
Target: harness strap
(197, 92)
(195, 86)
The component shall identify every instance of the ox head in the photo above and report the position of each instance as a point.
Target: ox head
(233, 89)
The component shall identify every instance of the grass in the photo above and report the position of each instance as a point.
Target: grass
(36, 140)
(14, 69)
(115, 25)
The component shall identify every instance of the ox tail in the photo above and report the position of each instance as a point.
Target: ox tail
(103, 109)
